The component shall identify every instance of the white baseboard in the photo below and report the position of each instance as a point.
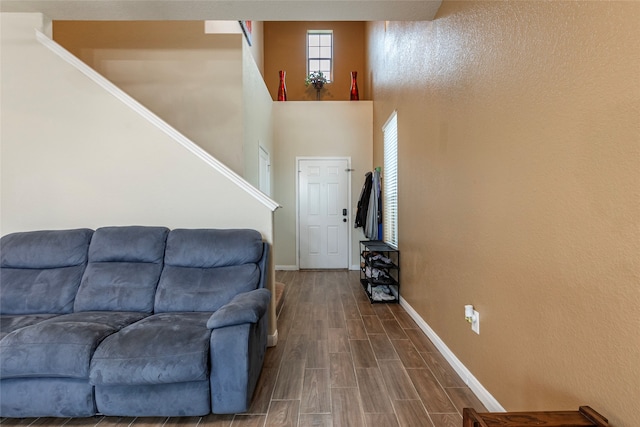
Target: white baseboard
(272, 340)
(295, 268)
(485, 397)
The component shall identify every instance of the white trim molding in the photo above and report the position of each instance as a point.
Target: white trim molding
(272, 340)
(287, 268)
(478, 389)
(155, 120)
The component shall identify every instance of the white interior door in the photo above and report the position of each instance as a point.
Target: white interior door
(323, 216)
(265, 171)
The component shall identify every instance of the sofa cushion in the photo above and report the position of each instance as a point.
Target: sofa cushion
(123, 270)
(213, 248)
(45, 249)
(160, 349)
(205, 269)
(13, 322)
(128, 244)
(203, 289)
(40, 271)
(61, 346)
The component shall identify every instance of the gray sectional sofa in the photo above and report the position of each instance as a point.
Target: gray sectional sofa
(131, 321)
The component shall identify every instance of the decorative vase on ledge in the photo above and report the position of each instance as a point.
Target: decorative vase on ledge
(354, 86)
(282, 88)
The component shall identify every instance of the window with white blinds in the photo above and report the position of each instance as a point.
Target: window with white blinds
(390, 182)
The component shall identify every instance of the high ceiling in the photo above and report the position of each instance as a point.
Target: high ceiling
(259, 10)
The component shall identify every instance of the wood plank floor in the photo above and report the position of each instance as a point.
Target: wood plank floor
(340, 361)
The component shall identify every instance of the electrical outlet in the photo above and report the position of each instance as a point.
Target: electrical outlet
(475, 324)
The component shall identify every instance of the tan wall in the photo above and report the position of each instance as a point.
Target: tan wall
(519, 160)
(285, 49)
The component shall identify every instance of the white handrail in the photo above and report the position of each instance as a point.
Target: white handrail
(155, 120)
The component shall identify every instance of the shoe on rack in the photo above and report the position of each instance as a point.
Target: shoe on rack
(385, 288)
(379, 260)
(375, 273)
(378, 294)
(382, 280)
(371, 273)
(381, 264)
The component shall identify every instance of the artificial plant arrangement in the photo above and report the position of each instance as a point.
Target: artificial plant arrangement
(318, 80)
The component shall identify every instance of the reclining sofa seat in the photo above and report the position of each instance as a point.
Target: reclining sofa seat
(203, 348)
(66, 292)
(45, 366)
(40, 275)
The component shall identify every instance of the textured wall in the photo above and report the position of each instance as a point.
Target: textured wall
(519, 159)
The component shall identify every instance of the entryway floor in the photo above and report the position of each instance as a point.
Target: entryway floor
(340, 361)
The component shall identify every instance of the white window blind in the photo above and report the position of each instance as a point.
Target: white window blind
(390, 182)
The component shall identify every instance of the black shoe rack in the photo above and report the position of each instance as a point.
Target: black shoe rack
(380, 271)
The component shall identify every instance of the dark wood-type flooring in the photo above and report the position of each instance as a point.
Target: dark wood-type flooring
(340, 361)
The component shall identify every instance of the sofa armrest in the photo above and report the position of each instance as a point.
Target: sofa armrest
(247, 307)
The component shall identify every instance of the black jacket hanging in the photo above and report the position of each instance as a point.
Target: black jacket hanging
(363, 202)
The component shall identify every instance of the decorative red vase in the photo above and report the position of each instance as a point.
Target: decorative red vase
(282, 88)
(354, 86)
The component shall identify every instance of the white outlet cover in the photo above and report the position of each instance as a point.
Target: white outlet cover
(475, 325)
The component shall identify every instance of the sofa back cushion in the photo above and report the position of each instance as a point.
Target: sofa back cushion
(205, 269)
(123, 270)
(40, 271)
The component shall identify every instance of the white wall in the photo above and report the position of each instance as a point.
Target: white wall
(233, 27)
(197, 91)
(317, 129)
(257, 123)
(202, 78)
(73, 155)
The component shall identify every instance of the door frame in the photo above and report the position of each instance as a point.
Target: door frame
(349, 213)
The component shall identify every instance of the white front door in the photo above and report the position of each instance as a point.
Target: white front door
(323, 209)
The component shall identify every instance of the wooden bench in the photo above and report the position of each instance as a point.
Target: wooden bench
(583, 417)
